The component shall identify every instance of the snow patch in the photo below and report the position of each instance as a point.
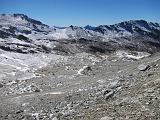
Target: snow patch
(23, 66)
(135, 55)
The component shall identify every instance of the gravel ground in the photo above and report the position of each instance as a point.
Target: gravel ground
(84, 87)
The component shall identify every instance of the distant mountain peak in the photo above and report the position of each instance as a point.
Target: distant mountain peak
(19, 18)
(88, 27)
(20, 15)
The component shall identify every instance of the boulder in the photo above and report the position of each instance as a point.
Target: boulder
(106, 118)
(1, 85)
(55, 118)
(143, 67)
(84, 70)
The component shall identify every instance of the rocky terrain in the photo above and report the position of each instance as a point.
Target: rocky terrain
(109, 72)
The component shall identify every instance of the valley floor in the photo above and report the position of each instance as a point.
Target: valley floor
(79, 87)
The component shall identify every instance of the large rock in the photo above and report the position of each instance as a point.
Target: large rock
(55, 118)
(1, 85)
(143, 67)
(106, 118)
(108, 94)
(84, 70)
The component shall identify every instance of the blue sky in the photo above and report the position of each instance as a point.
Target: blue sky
(84, 12)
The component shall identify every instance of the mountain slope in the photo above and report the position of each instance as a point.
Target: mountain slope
(130, 28)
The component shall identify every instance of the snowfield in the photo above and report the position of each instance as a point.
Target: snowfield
(23, 66)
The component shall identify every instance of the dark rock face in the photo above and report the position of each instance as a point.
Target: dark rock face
(4, 34)
(22, 37)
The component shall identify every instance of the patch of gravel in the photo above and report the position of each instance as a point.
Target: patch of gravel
(105, 90)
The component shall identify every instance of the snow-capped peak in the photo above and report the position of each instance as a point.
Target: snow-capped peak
(18, 19)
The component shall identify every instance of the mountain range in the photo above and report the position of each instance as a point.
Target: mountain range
(22, 34)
